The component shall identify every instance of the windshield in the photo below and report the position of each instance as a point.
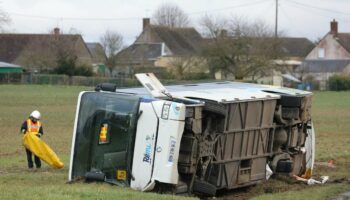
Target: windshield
(104, 134)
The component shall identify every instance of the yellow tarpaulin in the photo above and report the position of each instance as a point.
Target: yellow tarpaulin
(42, 150)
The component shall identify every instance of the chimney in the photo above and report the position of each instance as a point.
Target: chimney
(146, 22)
(56, 31)
(334, 28)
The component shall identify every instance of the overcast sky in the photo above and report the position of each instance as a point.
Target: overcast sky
(91, 18)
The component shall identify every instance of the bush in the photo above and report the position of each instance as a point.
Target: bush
(339, 83)
(196, 76)
(69, 67)
(160, 72)
(83, 71)
(66, 67)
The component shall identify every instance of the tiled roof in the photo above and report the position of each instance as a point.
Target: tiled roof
(344, 40)
(290, 47)
(11, 45)
(138, 52)
(96, 51)
(9, 65)
(298, 47)
(180, 41)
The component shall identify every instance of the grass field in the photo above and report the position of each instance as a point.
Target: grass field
(331, 114)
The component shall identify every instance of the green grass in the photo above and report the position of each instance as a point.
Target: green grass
(311, 192)
(57, 105)
(331, 115)
(50, 184)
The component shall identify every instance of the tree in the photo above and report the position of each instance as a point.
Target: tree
(68, 66)
(239, 47)
(182, 67)
(67, 61)
(4, 19)
(57, 53)
(35, 57)
(170, 15)
(112, 43)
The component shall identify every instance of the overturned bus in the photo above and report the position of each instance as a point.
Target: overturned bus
(194, 138)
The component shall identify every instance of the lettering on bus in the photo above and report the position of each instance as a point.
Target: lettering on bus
(148, 150)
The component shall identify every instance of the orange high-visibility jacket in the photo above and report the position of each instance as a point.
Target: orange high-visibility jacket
(33, 127)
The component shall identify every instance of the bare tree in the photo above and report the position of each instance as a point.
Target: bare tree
(238, 47)
(182, 66)
(213, 25)
(4, 19)
(35, 57)
(170, 15)
(112, 43)
(56, 53)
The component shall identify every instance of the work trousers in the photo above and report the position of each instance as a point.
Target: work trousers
(30, 160)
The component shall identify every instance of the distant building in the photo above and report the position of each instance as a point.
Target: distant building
(98, 57)
(329, 57)
(294, 50)
(182, 49)
(38, 52)
(141, 54)
(6, 68)
(10, 73)
(176, 41)
(161, 46)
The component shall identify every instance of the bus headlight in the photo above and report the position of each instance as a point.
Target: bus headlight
(166, 110)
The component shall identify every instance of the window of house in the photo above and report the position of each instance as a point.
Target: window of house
(321, 53)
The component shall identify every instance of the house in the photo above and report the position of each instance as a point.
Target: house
(181, 50)
(331, 56)
(293, 50)
(98, 57)
(141, 54)
(6, 68)
(161, 46)
(177, 41)
(10, 73)
(39, 52)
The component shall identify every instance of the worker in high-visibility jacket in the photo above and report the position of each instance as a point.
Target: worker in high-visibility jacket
(33, 124)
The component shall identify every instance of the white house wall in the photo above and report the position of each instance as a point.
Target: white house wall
(332, 49)
(346, 70)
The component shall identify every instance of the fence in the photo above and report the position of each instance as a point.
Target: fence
(10, 78)
(123, 81)
(53, 79)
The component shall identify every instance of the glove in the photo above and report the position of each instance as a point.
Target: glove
(39, 135)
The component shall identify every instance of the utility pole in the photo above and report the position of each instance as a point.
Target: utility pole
(276, 19)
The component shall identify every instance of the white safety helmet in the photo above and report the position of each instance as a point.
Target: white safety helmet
(35, 114)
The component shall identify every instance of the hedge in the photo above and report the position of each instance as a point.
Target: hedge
(339, 83)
